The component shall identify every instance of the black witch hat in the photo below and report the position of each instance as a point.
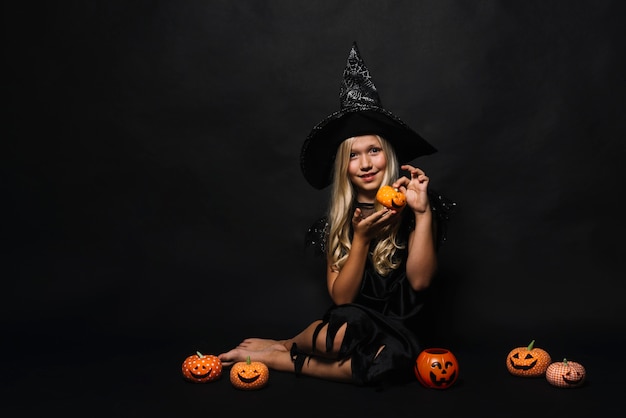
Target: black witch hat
(360, 113)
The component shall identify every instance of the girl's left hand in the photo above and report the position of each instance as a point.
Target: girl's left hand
(415, 188)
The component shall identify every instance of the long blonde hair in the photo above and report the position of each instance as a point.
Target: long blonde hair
(341, 209)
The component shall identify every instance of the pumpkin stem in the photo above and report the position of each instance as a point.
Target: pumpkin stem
(199, 354)
(248, 360)
(565, 361)
(531, 345)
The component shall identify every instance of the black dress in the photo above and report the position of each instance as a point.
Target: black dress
(383, 313)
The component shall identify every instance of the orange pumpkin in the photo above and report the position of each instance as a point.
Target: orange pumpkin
(200, 368)
(436, 368)
(528, 361)
(391, 198)
(249, 375)
(566, 374)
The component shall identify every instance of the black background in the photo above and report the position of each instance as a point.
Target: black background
(153, 203)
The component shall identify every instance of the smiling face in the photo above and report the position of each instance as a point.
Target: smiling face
(566, 374)
(249, 375)
(528, 361)
(436, 368)
(199, 368)
(367, 165)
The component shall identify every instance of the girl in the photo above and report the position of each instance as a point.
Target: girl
(379, 260)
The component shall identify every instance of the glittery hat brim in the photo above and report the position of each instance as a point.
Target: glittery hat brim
(320, 147)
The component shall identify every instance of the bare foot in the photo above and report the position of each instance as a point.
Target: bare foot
(257, 344)
(241, 354)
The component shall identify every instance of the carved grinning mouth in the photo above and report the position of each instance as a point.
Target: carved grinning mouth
(443, 381)
(522, 367)
(248, 379)
(572, 381)
(201, 376)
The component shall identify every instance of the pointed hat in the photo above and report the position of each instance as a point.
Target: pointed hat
(360, 113)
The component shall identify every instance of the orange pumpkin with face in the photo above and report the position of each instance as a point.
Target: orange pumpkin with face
(528, 361)
(566, 374)
(201, 368)
(249, 375)
(436, 368)
(390, 198)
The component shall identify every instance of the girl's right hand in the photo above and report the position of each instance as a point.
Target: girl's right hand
(371, 226)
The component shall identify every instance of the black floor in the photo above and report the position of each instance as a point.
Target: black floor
(131, 377)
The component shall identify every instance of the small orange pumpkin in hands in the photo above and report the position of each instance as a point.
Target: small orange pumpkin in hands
(528, 361)
(391, 198)
(201, 368)
(566, 374)
(249, 375)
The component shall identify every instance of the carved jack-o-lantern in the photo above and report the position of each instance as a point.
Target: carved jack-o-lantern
(566, 374)
(201, 368)
(528, 361)
(436, 368)
(391, 198)
(249, 375)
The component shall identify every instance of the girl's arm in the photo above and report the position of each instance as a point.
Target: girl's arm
(344, 285)
(421, 261)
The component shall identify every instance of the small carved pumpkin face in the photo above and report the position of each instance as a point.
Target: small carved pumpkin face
(200, 368)
(391, 198)
(436, 368)
(528, 361)
(249, 375)
(566, 374)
